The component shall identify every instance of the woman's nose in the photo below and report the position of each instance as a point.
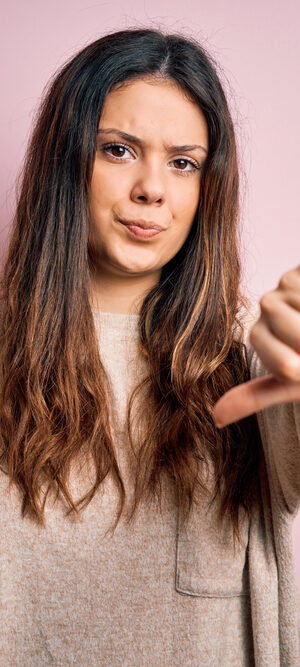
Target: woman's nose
(149, 185)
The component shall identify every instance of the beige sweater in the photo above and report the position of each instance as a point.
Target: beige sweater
(154, 594)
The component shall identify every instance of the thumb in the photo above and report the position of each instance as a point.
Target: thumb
(253, 396)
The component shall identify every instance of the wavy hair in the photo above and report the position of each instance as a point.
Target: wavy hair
(54, 393)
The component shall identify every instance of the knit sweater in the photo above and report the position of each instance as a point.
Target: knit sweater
(154, 593)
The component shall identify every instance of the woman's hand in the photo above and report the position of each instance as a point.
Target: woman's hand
(276, 339)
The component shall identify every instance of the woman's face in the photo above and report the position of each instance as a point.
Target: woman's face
(151, 177)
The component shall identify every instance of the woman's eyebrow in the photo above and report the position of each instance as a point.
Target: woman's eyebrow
(140, 142)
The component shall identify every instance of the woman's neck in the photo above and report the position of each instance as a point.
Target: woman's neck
(118, 294)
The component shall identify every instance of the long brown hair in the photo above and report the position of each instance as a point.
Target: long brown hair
(54, 393)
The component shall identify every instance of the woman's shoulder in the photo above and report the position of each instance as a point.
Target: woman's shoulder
(246, 318)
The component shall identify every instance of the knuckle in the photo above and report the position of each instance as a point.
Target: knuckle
(289, 369)
(288, 280)
(297, 342)
(268, 302)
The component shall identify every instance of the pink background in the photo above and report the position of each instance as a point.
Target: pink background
(257, 45)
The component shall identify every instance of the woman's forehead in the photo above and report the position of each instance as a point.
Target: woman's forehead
(144, 109)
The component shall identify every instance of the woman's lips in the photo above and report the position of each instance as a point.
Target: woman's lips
(140, 232)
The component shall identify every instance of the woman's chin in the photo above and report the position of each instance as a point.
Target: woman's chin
(134, 266)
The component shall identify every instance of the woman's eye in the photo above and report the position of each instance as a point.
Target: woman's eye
(183, 162)
(118, 151)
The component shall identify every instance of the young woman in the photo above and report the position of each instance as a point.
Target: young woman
(133, 530)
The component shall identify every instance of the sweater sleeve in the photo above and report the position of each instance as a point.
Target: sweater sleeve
(279, 427)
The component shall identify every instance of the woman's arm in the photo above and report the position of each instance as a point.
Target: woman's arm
(279, 426)
(275, 337)
(274, 390)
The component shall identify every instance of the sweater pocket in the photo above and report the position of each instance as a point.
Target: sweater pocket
(207, 565)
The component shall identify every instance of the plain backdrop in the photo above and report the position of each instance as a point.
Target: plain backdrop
(257, 45)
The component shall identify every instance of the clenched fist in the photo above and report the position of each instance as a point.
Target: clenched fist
(276, 339)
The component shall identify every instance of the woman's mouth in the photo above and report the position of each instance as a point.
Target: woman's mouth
(140, 232)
